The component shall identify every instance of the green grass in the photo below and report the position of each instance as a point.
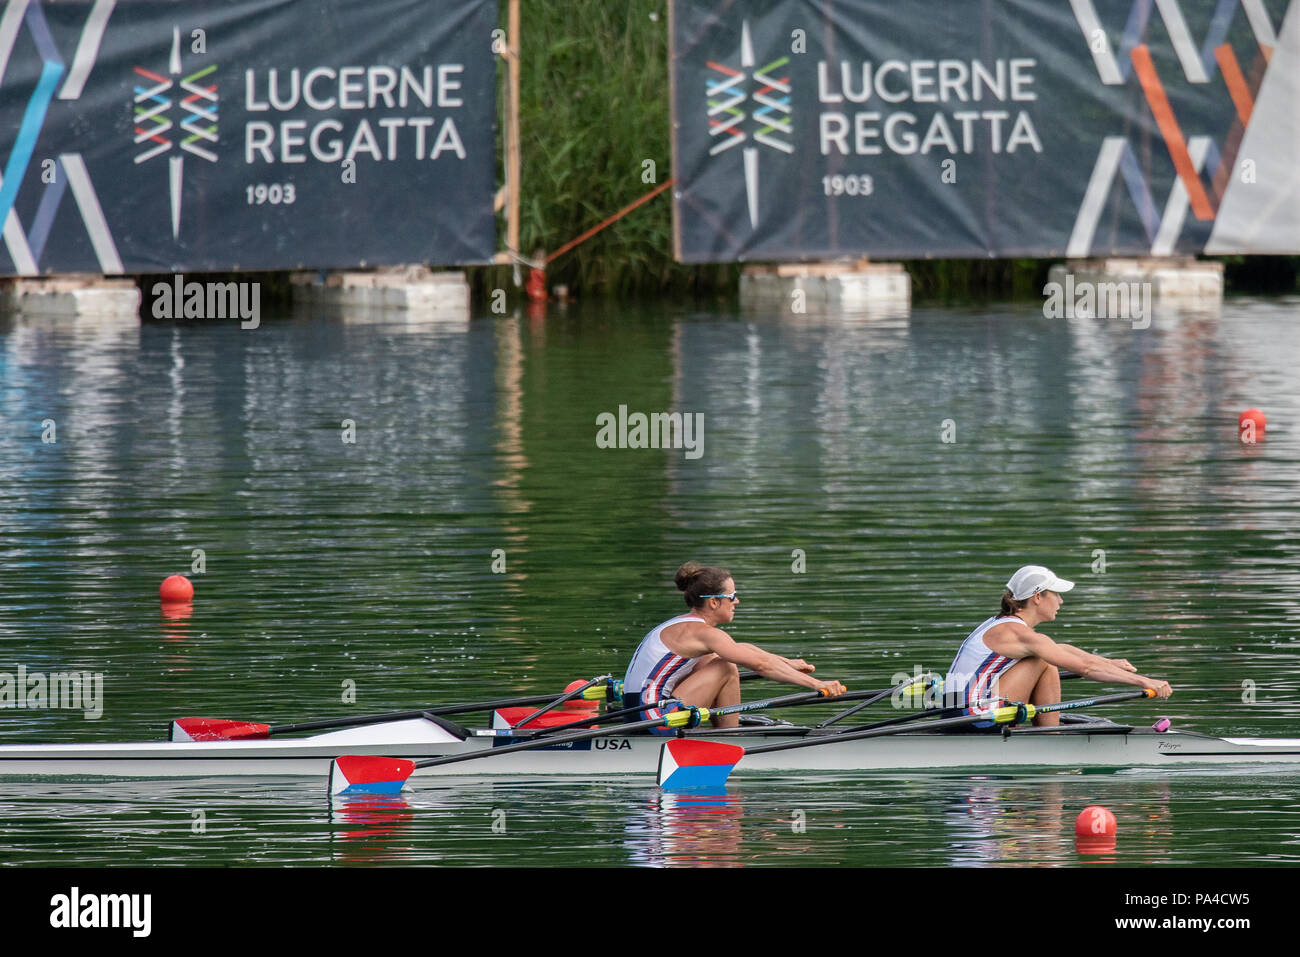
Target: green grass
(594, 105)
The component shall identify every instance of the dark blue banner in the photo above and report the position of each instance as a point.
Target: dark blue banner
(822, 129)
(261, 134)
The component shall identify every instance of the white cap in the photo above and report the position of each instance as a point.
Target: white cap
(1032, 579)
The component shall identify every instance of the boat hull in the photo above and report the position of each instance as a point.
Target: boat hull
(632, 754)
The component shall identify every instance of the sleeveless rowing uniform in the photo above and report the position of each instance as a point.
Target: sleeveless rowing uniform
(975, 669)
(655, 670)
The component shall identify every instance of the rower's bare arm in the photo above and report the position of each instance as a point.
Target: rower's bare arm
(1092, 667)
(768, 665)
(1118, 662)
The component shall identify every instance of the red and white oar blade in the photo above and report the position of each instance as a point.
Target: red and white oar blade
(362, 774)
(687, 765)
(216, 729)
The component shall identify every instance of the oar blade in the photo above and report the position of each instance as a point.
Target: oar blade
(217, 729)
(363, 774)
(690, 765)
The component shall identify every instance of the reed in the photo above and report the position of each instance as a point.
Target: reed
(594, 107)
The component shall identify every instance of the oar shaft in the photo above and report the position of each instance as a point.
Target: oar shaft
(605, 716)
(914, 685)
(1089, 702)
(622, 729)
(567, 696)
(788, 701)
(545, 742)
(876, 732)
(1065, 675)
(461, 707)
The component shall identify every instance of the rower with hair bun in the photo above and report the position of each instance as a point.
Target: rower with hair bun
(692, 659)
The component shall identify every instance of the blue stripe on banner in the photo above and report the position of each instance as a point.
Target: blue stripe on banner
(1139, 191)
(28, 132)
(43, 222)
(41, 35)
(1218, 32)
(1134, 33)
(1212, 160)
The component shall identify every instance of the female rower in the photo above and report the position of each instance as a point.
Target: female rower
(1007, 657)
(692, 659)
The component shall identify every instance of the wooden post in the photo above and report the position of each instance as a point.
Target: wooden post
(512, 134)
(511, 188)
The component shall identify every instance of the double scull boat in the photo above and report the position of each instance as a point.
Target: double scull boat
(1089, 743)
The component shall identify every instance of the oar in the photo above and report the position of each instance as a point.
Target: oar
(870, 696)
(364, 774)
(927, 680)
(219, 729)
(690, 764)
(567, 696)
(603, 717)
(933, 678)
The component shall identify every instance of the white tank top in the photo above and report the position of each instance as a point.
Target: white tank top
(975, 668)
(655, 670)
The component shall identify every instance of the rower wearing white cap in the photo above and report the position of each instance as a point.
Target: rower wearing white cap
(1007, 657)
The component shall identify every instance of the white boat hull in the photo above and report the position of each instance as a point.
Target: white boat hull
(639, 754)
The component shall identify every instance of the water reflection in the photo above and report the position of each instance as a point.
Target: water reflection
(686, 830)
(365, 555)
(372, 829)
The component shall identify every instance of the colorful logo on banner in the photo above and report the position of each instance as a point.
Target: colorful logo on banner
(771, 122)
(1191, 156)
(153, 124)
(68, 170)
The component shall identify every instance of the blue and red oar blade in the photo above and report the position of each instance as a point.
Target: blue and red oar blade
(689, 765)
(363, 774)
(217, 729)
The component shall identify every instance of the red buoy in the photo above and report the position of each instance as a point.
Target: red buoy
(1094, 822)
(578, 704)
(1250, 426)
(176, 588)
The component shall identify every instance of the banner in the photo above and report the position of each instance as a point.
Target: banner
(142, 136)
(823, 129)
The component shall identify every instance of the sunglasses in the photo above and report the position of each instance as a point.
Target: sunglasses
(733, 597)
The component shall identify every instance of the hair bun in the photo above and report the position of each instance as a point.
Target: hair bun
(686, 574)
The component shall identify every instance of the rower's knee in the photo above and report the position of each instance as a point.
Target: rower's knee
(727, 677)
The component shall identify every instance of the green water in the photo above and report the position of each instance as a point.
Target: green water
(859, 539)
